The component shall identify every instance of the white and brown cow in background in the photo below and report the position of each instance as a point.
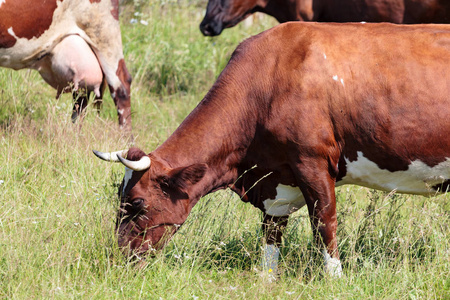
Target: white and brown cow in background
(298, 110)
(74, 44)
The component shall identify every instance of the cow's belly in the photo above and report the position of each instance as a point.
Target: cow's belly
(288, 200)
(418, 179)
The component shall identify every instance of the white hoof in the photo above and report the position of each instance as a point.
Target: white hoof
(332, 266)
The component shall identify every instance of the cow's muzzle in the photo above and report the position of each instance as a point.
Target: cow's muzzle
(211, 28)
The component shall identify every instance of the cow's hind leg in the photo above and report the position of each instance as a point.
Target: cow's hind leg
(98, 100)
(273, 230)
(321, 201)
(318, 189)
(80, 103)
(106, 41)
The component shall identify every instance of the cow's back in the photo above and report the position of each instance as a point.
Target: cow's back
(394, 11)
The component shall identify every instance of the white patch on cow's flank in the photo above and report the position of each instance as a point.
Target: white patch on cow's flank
(126, 178)
(418, 179)
(288, 200)
(332, 266)
(120, 111)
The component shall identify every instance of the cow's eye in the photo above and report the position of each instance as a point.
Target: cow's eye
(137, 202)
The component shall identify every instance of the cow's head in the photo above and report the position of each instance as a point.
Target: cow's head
(154, 199)
(221, 14)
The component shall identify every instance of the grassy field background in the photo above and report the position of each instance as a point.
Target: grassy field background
(58, 202)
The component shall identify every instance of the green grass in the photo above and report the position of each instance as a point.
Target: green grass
(58, 202)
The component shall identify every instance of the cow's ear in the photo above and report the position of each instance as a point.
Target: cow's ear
(185, 177)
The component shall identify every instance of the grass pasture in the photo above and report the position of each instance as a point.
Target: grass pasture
(58, 202)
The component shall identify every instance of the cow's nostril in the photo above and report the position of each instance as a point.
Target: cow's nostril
(205, 29)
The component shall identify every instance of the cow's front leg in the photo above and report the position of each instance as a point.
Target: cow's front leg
(321, 201)
(273, 230)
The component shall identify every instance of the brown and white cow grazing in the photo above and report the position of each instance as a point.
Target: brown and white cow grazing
(72, 43)
(299, 109)
(221, 14)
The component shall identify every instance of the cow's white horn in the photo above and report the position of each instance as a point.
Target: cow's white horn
(110, 156)
(140, 165)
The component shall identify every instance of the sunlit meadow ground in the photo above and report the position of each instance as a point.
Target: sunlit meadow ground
(58, 203)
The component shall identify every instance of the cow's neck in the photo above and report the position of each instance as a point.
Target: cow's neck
(218, 132)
